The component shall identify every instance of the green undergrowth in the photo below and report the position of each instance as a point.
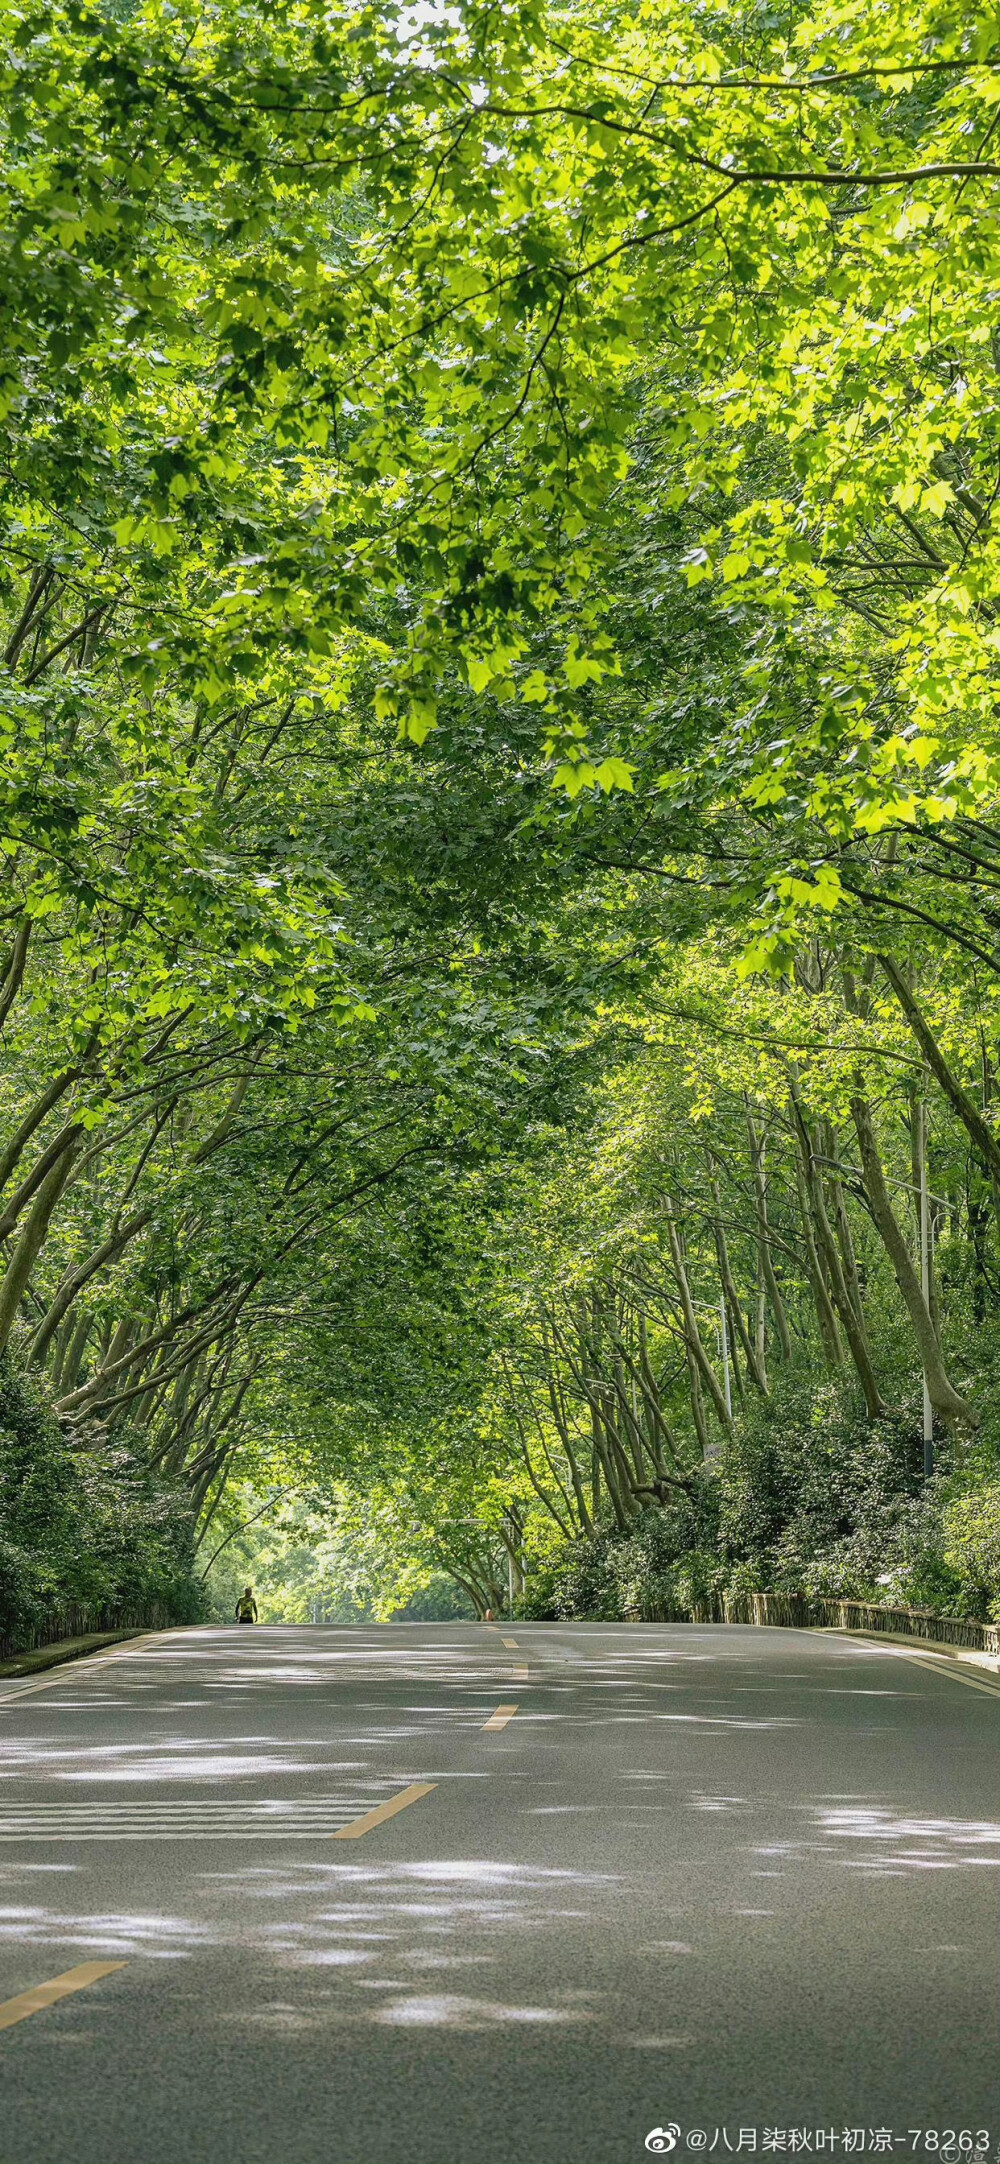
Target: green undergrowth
(88, 1531)
(808, 1496)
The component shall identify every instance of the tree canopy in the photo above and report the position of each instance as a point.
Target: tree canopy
(499, 832)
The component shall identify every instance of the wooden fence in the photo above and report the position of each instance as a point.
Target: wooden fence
(794, 1611)
(76, 1622)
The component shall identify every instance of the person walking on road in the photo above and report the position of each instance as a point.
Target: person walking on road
(246, 1606)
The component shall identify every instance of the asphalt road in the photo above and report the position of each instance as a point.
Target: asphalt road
(710, 1878)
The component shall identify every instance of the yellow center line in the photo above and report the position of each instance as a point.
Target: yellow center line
(509, 1641)
(500, 1718)
(383, 1811)
(60, 1987)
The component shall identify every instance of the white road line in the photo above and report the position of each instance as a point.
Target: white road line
(219, 1833)
(943, 1664)
(84, 1663)
(957, 1675)
(101, 1815)
(168, 1796)
(180, 1819)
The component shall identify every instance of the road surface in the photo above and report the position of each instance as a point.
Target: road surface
(704, 1879)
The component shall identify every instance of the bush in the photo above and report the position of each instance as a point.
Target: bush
(665, 1561)
(972, 1545)
(82, 1528)
(809, 1496)
(439, 1601)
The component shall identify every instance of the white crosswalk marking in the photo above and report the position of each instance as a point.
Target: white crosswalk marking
(191, 1818)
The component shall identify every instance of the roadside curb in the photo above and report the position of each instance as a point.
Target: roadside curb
(928, 1645)
(63, 1649)
(97, 1657)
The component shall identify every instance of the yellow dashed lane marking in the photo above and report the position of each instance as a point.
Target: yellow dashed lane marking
(520, 1672)
(500, 1718)
(60, 1987)
(383, 1811)
(509, 1641)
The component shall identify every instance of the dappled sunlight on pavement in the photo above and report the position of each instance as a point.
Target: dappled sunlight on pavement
(155, 1936)
(923, 1844)
(676, 1836)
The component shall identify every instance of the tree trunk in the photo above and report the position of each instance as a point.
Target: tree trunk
(961, 1103)
(32, 1237)
(75, 1279)
(72, 1361)
(945, 1399)
(853, 1322)
(825, 1312)
(14, 971)
(757, 1159)
(691, 1330)
(732, 1299)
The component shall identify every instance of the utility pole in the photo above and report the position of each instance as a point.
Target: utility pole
(925, 1272)
(510, 1534)
(725, 1355)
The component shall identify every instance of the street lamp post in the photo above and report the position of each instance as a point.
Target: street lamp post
(925, 1274)
(724, 1329)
